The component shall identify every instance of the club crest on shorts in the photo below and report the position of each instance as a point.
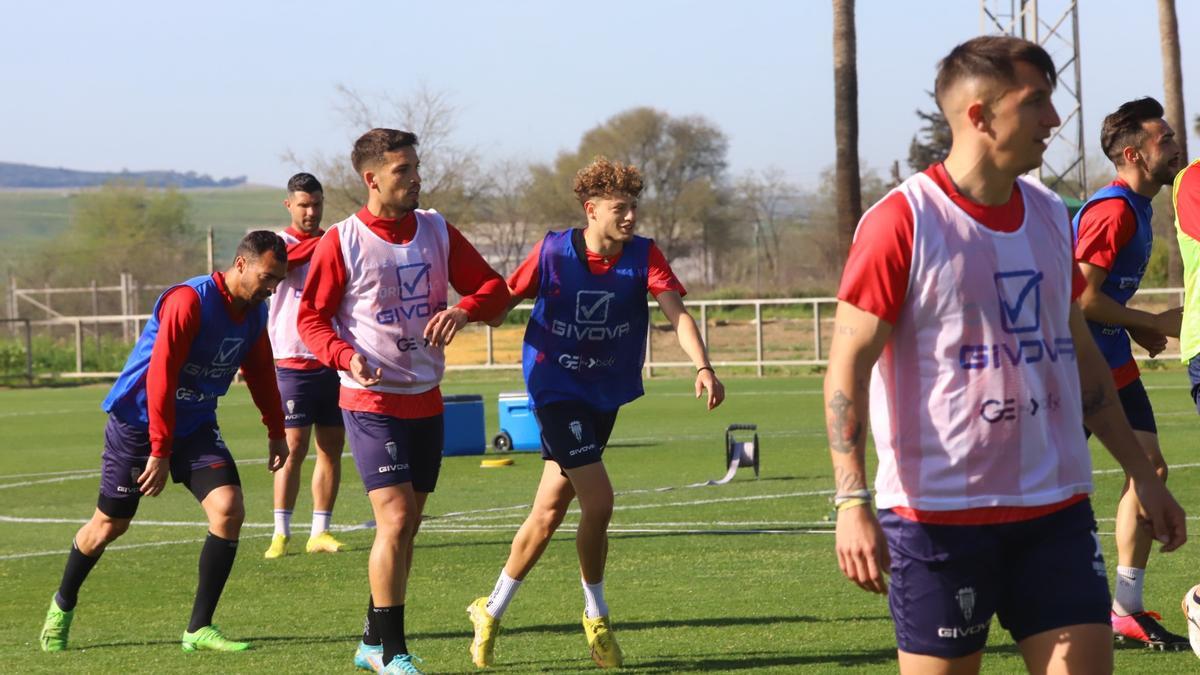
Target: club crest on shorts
(966, 601)
(134, 473)
(291, 406)
(390, 446)
(576, 429)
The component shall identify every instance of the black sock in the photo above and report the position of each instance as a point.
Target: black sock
(77, 569)
(390, 623)
(370, 630)
(216, 560)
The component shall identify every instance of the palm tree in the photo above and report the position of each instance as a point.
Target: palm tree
(845, 110)
(1168, 29)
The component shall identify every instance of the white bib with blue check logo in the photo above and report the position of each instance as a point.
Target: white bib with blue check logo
(975, 401)
(285, 306)
(392, 290)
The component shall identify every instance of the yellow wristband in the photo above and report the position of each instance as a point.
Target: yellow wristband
(851, 503)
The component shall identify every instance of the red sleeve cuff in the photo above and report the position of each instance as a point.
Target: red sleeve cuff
(471, 306)
(341, 358)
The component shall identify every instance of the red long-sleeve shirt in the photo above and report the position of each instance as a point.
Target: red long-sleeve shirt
(484, 292)
(523, 282)
(178, 326)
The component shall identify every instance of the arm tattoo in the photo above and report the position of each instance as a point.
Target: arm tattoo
(845, 433)
(1094, 401)
(846, 481)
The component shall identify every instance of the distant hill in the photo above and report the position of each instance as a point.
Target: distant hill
(27, 176)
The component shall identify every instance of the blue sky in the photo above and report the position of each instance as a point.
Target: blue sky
(226, 88)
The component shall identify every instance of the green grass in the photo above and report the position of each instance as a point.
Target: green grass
(682, 601)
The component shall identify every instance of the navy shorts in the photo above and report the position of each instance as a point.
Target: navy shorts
(1194, 376)
(1035, 575)
(200, 461)
(1136, 404)
(309, 397)
(390, 451)
(574, 434)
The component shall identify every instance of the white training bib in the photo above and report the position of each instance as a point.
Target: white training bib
(284, 308)
(975, 400)
(392, 290)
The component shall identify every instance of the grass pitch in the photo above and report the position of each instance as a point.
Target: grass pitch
(736, 578)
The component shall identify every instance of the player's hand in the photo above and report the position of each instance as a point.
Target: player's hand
(277, 453)
(861, 550)
(1161, 515)
(361, 372)
(707, 380)
(444, 325)
(1152, 341)
(1170, 322)
(154, 476)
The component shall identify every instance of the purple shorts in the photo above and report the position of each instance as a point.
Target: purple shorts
(1035, 575)
(200, 461)
(390, 451)
(309, 397)
(574, 434)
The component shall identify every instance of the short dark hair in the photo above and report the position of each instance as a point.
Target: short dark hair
(304, 182)
(369, 148)
(1123, 128)
(990, 56)
(255, 244)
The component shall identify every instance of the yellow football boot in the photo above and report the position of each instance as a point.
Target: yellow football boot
(603, 644)
(323, 543)
(278, 547)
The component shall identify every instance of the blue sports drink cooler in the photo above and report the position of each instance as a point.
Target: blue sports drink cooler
(465, 433)
(518, 427)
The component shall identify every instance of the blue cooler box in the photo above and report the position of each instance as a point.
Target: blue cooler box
(518, 427)
(465, 434)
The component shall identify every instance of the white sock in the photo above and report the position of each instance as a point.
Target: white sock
(593, 599)
(502, 594)
(1128, 598)
(320, 522)
(283, 522)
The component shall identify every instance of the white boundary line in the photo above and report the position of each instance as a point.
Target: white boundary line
(30, 413)
(47, 473)
(121, 547)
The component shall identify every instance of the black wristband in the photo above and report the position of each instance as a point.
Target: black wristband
(708, 368)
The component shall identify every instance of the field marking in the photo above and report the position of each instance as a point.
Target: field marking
(46, 473)
(156, 523)
(120, 547)
(1191, 465)
(30, 413)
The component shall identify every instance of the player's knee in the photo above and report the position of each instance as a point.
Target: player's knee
(400, 528)
(597, 509)
(397, 521)
(109, 529)
(228, 513)
(546, 521)
(296, 455)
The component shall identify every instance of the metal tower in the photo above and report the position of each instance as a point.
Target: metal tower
(1064, 167)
